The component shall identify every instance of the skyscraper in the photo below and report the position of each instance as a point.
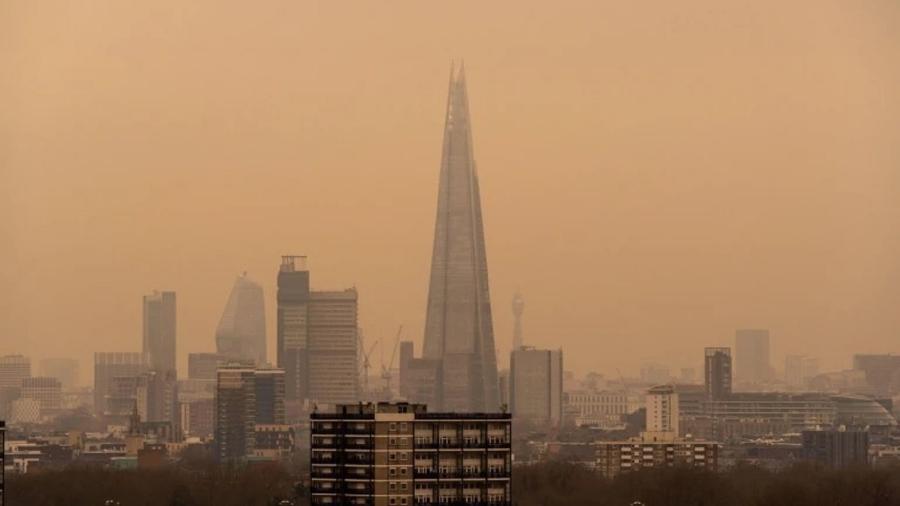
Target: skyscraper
(241, 334)
(458, 324)
(292, 325)
(536, 385)
(717, 366)
(159, 332)
(751, 347)
(317, 338)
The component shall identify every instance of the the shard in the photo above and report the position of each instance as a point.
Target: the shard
(458, 327)
(241, 334)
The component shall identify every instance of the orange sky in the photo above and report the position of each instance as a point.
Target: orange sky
(654, 174)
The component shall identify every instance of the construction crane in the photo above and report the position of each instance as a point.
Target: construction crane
(365, 363)
(386, 374)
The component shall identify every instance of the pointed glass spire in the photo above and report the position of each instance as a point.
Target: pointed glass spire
(458, 327)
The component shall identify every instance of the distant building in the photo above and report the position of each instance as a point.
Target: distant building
(717, 367)
(662, 412)
(618, 457)
(458, 323)
(752, 355)
(882, 372)
(63, 369)
(655, 374)
(46, 391)
(246, 397)
(203, 366)
(799, 369)
(269, 385)
(273, 441)
(407, 354)
(13, 369)
(423, 379)
(241, 334)
(836, 448)
(112, 365)
(604, 408)
(503, 383)
(400, 454)
(536, 385)
(24, 411)
(317, 338)
(659, 445)
(160, 332)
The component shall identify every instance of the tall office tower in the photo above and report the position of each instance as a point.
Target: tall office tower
(662, 413)
(46, 391)
(458, 324)
(333, 369)
(63, 369)
(203, 366)
(235, 412)
(717, 367)
(113, 365)
(241, 334)
(518, 307)
(159, 332)
(400, 454)
(752, 354)
(292, 325)
(269, 396)
(536, 385)
(13, 369)
(318, 338)
(799, 369)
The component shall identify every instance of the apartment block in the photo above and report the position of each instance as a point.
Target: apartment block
(397, 454)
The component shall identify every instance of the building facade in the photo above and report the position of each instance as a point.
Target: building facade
(602, 408)
(246, 398)
(13, 369)
(203, 366)
(46, 391)
(400, 454)
(241, 334)
(318, 338)
(617, 457)
(112, 365)
(662, 412)
(717, 368)
(159, 332)
(2, 462)
(458, 323)
(836, 448)
(536, 385)
(751, 347)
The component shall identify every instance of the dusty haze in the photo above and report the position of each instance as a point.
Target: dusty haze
(654, 174)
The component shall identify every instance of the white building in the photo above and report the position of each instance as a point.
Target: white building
(662, 413)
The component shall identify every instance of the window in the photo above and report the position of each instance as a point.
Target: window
(392, 486)
(392, 471)
(403, 427)
(392, 457)
(392, 441)
(392, 427)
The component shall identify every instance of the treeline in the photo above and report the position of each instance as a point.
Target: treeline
(265, 484)
(549, 484)
(556, 484)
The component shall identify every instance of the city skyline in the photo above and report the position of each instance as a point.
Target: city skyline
(708, 181)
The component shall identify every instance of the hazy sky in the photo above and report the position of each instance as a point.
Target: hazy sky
(654, 174)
